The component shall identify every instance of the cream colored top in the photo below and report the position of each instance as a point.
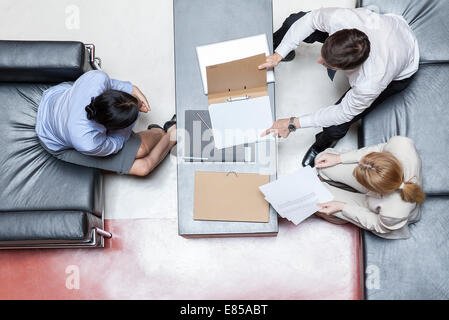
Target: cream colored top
(388, 216)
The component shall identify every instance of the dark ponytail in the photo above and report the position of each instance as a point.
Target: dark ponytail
(90, 109)
(113, 109)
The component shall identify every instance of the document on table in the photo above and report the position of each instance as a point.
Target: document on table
(295, 197)
(227, 51)
(239, 122)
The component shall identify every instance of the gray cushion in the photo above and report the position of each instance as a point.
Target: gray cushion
(428, 19)
(420, 112)
(415, 268)
(31, 178)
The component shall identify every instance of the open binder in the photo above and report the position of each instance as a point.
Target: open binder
(239, 79)
(221, 52)
(239, 105)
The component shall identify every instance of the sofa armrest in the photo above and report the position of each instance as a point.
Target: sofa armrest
(42, 61)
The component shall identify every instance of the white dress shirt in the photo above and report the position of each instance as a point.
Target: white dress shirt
(394, 56)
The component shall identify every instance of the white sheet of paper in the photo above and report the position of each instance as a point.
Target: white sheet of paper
(239, 122)
(296, 196)
(227, 51)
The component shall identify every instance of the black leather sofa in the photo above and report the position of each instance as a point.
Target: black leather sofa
(416, 268)
(44, 202)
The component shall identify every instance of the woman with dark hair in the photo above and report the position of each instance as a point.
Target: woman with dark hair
(377, 188)
(89, 123)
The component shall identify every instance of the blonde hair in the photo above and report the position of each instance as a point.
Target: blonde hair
(381, 172)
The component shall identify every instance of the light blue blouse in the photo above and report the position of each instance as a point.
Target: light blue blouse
(62, 119)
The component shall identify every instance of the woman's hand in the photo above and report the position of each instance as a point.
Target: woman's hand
(280, 128)
(144, 105)
(332, 207)
(327, 160)
(271, 62)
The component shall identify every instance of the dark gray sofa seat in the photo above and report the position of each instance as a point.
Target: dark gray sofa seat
(420, 112)
(416, 268)
(32, 179)
(44, 202)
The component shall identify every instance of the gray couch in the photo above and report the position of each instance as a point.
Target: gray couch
(44, 202)
(416, 268)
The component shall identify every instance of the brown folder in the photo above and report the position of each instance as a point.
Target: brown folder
(231, 196)
(236, 79)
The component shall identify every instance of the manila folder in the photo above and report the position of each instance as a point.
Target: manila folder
(230, 196)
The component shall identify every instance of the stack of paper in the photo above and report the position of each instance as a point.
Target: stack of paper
(295, 197)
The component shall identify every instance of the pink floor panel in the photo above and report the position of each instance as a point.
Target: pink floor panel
(146, 259)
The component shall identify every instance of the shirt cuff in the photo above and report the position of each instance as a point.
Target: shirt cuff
(124, 86)
(128, 87)
(306, 121)
(282, 50)
(349, 211)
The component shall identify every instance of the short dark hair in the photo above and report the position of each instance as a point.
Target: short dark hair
(114, 109)
(346, 49)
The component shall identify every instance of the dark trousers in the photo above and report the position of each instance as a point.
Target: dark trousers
(279, 34)
(330, 135)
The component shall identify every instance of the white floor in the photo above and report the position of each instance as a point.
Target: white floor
(135, 41)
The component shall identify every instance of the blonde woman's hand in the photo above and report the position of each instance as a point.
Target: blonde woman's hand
(327, 160)
(331, 207)
(143, 102)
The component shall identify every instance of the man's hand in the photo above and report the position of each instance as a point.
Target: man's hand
(272, 61)
(144, 105)
(280, 128)
(327, 160)
(331, 207)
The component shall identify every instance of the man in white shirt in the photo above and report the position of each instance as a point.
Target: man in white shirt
(378, 53)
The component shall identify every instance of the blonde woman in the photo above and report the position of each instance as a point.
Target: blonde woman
(377, 188)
